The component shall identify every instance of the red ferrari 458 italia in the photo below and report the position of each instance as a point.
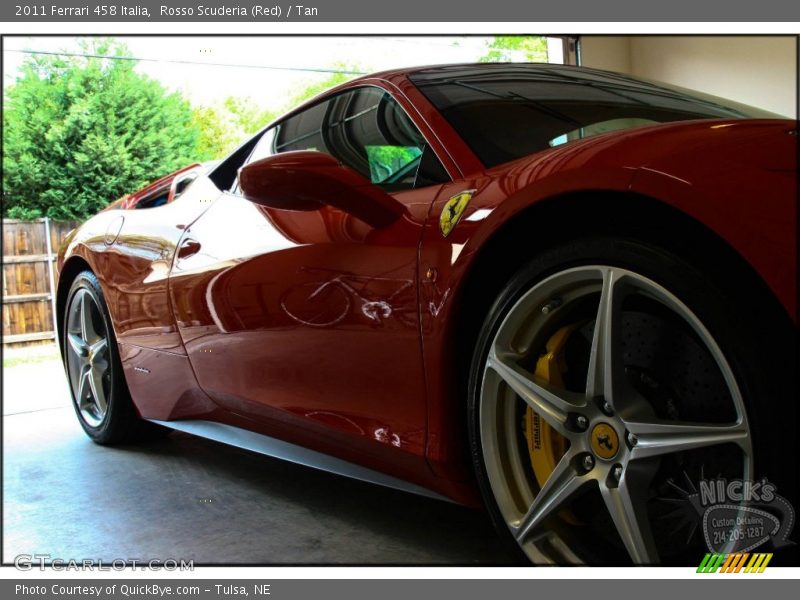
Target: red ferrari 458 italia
(564, 294)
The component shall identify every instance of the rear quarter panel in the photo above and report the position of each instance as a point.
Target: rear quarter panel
(131, 253)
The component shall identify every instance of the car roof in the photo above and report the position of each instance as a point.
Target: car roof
(444, 72)
(433, 74)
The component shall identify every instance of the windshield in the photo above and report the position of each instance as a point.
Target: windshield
(507, 111)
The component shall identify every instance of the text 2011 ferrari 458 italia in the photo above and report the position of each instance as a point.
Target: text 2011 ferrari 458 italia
(562, 293)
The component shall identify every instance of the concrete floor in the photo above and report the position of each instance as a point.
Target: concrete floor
(192, 499)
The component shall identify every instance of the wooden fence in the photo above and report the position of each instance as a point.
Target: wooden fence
(28, 279)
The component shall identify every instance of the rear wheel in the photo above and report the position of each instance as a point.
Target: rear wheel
(606, 382)
(94, 372)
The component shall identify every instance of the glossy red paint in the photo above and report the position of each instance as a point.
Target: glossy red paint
(318, 328)
(133, 273)
(289, 299)
(308, 180)
(713, 182)
(165, 186)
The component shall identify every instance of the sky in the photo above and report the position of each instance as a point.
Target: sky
(207, 84)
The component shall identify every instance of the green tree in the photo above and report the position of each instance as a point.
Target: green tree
(312, 89)
(216, 138)
(80, 132)
(510, 48)
(247, 116)
(223, 126)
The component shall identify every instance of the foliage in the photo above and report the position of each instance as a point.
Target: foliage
(79, 132)
(313, 89)
(248, 116)
(509, 48)
(222, 127)
(216, 137)
(385, 161)
(226, 125)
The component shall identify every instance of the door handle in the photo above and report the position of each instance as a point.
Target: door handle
(188, 247)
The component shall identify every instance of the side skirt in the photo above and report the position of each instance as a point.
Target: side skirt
(269, 446)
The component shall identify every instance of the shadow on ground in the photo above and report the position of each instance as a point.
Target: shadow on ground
(192, 499)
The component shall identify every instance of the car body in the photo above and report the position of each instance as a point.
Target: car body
(161, 191)
(316, 336)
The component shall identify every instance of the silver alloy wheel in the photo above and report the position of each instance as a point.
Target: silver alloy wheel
(88, 361)
(609, 404)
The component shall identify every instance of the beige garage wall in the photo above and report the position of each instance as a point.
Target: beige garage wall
(760, 71)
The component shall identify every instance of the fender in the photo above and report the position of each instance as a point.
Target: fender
(744, 188)
(711, 170)
(444, 263)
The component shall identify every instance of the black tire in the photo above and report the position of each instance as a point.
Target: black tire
(761, 359)
(120, 423)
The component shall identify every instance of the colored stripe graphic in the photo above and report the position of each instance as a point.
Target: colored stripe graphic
(734, 563)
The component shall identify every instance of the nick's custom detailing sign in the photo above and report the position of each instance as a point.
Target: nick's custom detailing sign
(737, 516)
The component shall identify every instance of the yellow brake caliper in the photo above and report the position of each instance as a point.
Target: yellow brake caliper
(545, 445)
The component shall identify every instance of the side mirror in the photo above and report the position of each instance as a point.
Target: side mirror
(307, 180)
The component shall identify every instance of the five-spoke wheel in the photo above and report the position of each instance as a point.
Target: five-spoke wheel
(94, 371)
(598, 393)
(88, 363)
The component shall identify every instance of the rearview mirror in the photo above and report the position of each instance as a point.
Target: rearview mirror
(307, 180)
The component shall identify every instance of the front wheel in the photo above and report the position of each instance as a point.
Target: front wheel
(606, 383)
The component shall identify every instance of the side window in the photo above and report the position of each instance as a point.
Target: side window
(265, 146)
(366, 130)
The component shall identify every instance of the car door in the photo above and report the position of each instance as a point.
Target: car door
(305, 324)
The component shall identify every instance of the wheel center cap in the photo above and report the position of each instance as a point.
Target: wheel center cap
(605, 441)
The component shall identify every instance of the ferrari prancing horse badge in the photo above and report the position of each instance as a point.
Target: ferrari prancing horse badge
(452, 211)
